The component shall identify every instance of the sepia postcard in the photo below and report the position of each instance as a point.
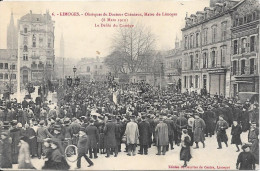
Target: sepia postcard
(129, 85)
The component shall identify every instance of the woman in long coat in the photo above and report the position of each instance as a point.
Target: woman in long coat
(24, 159)
(236, 130)
(185, 154)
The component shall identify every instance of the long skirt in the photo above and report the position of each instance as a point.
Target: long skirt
(236, 140)
(185, 154)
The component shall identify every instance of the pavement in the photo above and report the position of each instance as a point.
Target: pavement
(208, 158)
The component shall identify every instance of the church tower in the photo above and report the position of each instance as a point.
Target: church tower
(12, 37)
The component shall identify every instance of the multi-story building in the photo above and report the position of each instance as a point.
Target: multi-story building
(36, 47)
(245, 47)
(206, 54)
(173, 65)
(8, 70)
(92, 69)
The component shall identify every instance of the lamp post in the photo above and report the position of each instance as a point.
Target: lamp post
(74, 70)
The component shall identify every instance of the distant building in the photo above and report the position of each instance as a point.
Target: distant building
(36, 34)
(173, 65)
(207, 47)
(64, 67)
(245, 47)
(92, 69)
(8, 69)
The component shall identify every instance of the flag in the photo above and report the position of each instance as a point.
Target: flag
(98, 52)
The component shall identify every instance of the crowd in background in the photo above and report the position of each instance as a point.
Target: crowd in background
(99, 117)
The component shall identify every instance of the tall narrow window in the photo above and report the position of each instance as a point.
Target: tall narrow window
(223, 56)
(224, 30)
(234, 67)
(185, 81)
(235, 47)
(25, 48)
(197, 61)
(243, 47)
(252, 43)
(214, 34)
(243, 65)
(196, 81)
(25, 29)
(191, 41)
(191, 62)
(197, 39)
(252, 66)
(213, 58)
(191, 83)
(205, 60)
(186, 43)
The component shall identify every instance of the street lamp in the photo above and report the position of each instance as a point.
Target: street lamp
(74, 70)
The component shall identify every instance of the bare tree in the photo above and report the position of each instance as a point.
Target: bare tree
(135, 46)
(115, 62)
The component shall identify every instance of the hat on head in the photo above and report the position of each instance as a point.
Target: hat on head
(57, 127)
(14, 122)
(245, 146)
(4, 133)
(41, 122)
(82, 129)
(5, 124)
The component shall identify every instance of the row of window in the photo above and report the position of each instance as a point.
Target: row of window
(245, 19)
(188, 81)
(96, 67)
(244, 45)
(193, 41)
(5, 66)
(6, 76)
(25, 42)
(243, 67)
(192, 62)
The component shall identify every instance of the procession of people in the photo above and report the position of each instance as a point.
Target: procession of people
(98, 117)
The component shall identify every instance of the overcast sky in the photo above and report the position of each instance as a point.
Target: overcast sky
(83, 39)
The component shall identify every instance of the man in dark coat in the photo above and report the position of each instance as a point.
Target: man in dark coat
(198, 130)
(221, 127)
(245, 160)
(210, 121)
(110, 136)
(92, 133)
(171, 128)
(118, 135)
(181, 123)
(83, 146)
(152, 126)
(145, 134)
(15, 134)
(161, 132)
(6, 151)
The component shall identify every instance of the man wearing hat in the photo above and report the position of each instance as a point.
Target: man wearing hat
(198, 129)
(181, 123)
(221, 127)
(145, 136)
(253, 132)
(83, 146)
(171, 128)
(92, 133)
(109, 135)
(132, 134)
(42, 133)
(245, 160)
(5, 151)
(162, 137)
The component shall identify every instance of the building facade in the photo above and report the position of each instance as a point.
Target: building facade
(36, 47)
(92, 69)
(245, 47)
(207, 47)
(173, 65)
(8, 70)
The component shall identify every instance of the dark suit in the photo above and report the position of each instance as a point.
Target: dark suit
(145, 134)
(92, 132)
(83, 146)
(110, 136)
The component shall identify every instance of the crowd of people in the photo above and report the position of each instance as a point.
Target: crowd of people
(99, 117)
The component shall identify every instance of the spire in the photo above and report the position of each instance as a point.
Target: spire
(12, 39)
